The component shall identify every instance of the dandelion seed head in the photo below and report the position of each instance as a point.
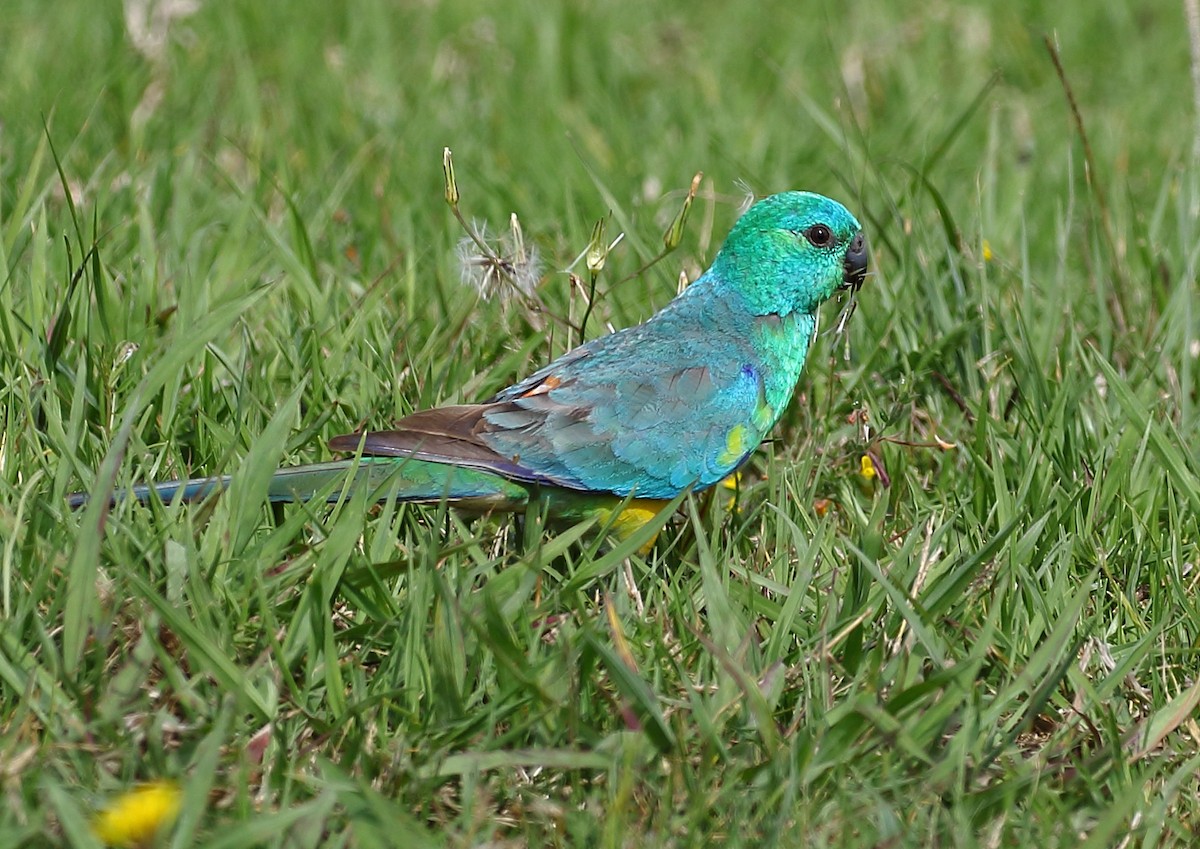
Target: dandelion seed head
(476, 269)
(747, 196)
(503, 266)
(528, 272)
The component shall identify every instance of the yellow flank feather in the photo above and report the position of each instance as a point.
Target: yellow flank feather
(636, 513)
(736, 445)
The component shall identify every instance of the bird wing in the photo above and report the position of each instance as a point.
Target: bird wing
(443, 435)
(635, 412)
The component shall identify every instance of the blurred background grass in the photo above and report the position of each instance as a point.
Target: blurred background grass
(247, 251)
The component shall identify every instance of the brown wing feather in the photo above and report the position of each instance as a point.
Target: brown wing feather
(443, 435)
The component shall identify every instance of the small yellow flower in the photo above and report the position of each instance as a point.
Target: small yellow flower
(133, 818)
(730, 487)
(868, 467)
(988, 256)
(731, 482)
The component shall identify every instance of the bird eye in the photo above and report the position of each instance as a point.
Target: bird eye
(819, 235)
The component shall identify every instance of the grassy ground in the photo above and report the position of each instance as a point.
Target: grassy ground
(246, 251)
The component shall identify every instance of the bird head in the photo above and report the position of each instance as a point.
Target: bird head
(790, 252)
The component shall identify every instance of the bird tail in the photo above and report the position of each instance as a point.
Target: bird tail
(384, 478)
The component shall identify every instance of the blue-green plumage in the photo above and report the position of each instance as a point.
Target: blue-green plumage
(675, 403)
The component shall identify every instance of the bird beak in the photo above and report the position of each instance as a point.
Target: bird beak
(855, 264)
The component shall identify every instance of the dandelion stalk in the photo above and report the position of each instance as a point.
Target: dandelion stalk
(452, 198)
(483, 267)
(674, 233)
(596, 255)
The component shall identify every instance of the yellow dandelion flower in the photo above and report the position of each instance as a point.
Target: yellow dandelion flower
(133, 818)
(988, 256)
(731, 482)
(868, 467)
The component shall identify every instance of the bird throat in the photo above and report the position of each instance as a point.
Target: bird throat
(783, 343)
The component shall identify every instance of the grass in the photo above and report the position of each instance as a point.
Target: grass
(225, 242)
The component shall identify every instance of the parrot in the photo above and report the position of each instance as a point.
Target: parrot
(618, 427)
